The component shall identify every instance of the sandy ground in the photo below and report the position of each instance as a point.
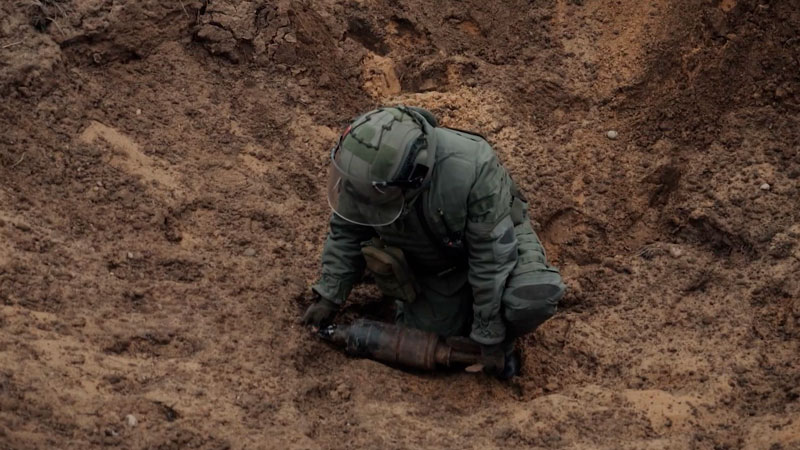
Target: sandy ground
(162, 168)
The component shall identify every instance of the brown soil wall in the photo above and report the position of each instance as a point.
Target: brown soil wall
(162, 167)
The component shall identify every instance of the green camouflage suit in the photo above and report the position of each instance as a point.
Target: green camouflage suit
(498, 284)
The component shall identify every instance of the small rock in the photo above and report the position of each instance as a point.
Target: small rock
(138, 111)
(782, 245)
(675, 252)
(612, 134)
(129, 255)
(290, 38)
(130, 419)
(324, 80)
(765, 187)
(344, 391)
(250, 251)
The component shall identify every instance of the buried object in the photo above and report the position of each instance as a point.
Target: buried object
(406, 347)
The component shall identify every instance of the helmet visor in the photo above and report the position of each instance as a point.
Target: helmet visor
(362, 201)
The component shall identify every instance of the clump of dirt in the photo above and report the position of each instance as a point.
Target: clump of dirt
(162, 215)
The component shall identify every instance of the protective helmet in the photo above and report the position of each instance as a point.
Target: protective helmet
(382, 158)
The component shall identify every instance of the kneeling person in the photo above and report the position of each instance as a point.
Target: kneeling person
(437, 220)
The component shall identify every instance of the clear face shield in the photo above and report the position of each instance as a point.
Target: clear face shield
(361, 201)
(375, 202)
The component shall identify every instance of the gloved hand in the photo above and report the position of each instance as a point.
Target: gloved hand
(320, 312)
(493, 358)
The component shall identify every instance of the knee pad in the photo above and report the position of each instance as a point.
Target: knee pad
(530, 299)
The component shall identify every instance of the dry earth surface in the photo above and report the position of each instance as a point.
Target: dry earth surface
(162, 167)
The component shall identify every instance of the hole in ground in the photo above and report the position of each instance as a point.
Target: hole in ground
(362, 32)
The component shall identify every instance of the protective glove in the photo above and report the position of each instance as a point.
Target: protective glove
(500, 360)
(493, 358)
(320, 312)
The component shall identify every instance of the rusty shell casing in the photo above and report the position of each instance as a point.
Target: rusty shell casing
(393, 344)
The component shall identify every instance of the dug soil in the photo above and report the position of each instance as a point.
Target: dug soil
(162, 212)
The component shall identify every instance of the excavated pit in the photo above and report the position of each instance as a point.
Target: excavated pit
(162, 167)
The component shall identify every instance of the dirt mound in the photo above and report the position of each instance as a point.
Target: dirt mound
(161, 218)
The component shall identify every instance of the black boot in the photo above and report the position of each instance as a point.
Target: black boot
(512, 364)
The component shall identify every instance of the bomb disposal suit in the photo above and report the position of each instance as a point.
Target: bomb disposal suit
(443, 229)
